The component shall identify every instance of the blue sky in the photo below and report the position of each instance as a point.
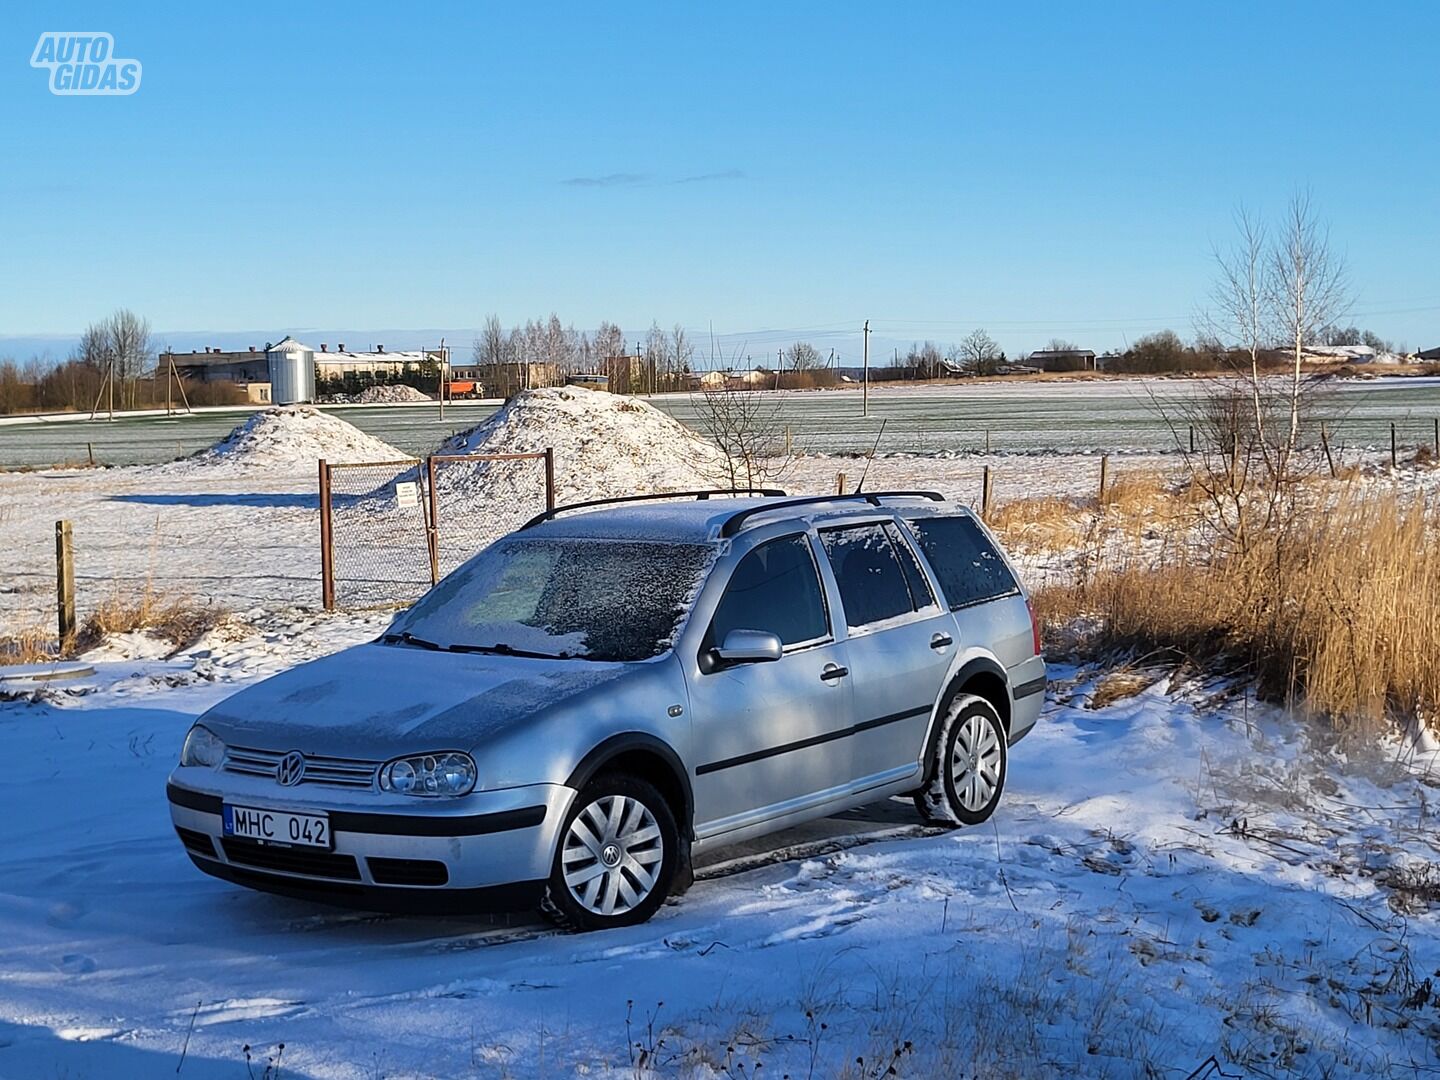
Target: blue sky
(773, 171)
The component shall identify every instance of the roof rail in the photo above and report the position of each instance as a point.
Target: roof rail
(734, 522)
(699, 496)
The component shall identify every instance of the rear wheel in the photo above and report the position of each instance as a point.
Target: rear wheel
(616, 858)
(967, 776)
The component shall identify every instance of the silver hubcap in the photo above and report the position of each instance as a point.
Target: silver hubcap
(612, 855)
(975, 763)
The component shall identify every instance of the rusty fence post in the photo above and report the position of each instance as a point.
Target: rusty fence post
(65, 583)
(327, 541)
(986, 489)
(432, 523)
(549, 479)
(840, 483)
(1104, 477)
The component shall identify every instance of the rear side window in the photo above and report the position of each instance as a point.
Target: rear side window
(775, 588)
(966, 562)
(869, 563)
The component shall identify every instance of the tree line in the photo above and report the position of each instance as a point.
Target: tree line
(115, 360)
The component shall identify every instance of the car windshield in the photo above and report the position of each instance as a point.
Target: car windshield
(615, 600)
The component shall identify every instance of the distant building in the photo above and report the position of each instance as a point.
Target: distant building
(1428, 354)
(250, 366)
(1062, 359)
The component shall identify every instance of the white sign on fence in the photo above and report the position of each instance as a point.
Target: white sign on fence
(407, 493)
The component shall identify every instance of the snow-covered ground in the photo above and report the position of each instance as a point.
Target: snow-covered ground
(239, 524)
(1177, 875)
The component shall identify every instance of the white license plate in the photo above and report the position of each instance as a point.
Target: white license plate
(277, 826)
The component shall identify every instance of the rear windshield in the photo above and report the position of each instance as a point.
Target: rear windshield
(966, 562)
(564, 598)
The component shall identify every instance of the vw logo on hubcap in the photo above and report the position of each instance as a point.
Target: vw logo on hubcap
(610, 855)
(291, 769)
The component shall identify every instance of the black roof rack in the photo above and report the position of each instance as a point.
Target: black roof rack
(733, 523)
(700, 496)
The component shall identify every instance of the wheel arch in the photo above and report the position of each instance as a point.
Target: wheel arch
(982, 676)
(648, 758)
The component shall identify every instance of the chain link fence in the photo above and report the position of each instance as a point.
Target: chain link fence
(390, 530)
(475, 500)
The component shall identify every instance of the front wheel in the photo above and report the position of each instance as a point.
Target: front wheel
(967, 775)
(616, 858)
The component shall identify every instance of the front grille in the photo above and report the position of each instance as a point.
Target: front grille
(291, 860)
(197, 842)
(407, 871)
(331, 771)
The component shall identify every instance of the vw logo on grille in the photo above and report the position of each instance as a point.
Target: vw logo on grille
(291, 769)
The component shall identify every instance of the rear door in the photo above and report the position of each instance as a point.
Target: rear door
(767, 736)
(900, 641)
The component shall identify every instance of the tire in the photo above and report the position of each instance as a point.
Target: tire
(959, 792)
(616, 856)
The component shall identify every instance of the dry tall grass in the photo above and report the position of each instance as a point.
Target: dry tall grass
(178, 620)
(1338, 610)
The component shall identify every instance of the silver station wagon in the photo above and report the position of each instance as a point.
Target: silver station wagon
(573, 714)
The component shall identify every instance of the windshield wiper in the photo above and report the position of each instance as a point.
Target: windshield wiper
(410, 639)
(502, 649)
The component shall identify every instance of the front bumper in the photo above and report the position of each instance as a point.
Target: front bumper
(487, 851)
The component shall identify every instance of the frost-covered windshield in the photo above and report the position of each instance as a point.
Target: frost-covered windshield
(563, 597)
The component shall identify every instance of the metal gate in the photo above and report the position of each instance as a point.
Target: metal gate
(390, 530)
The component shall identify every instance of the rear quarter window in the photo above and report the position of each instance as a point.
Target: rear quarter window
(966, 562)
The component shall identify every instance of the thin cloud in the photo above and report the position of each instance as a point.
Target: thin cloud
(726, 174)
(618, 179)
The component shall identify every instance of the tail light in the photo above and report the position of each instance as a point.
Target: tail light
(1034, 625)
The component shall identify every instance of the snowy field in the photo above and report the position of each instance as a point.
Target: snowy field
(1052, 417)
(1176, 876)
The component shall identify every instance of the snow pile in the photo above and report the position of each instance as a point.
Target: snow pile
(606, 445)
(381, 395)
(292, 437)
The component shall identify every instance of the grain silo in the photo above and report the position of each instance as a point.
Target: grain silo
(292, 372)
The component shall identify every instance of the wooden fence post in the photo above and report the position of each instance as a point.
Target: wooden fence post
(65, 583)
(840, 483)
(789, 443)
(986, 488)
(1104, 476)
(1325, 442)
(327, 544)
(549, 479)
(1394, 454)
(1192, 438)
(432, 524)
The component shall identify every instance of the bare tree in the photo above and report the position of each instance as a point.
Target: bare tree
(980, 352)
(1311, 290)
(748, 427)
(608, 341)
(802, 356)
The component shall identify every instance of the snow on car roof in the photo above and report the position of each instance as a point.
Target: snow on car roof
(692, 520)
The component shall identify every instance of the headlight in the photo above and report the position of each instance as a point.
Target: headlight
(202, 747)
(449, 773)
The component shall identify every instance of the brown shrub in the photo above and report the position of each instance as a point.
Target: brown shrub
(29, 646)
(175, 619)
(1340, 610)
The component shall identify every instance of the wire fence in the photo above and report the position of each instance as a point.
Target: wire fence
(390, 530)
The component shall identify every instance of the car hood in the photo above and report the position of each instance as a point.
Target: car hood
(378, 701)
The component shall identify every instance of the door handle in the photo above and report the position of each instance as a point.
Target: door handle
(833, 672)
(941, 641)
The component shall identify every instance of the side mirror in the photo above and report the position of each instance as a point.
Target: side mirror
(749, 647)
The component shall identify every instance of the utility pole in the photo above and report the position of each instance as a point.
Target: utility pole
(865, 392)
(444, 375)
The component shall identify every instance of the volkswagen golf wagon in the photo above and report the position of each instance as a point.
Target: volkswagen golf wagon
(574, 713)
